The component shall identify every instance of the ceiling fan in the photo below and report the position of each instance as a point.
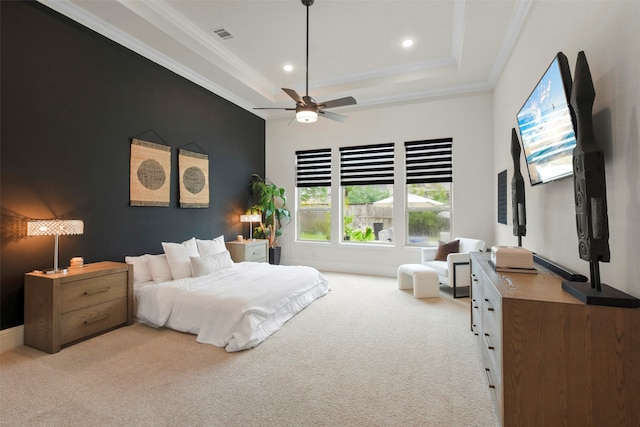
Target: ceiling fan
(307, 109)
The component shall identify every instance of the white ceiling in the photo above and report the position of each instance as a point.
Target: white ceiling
(354, 45)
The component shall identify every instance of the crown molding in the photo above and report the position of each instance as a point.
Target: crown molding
(81, 16)
(518, 17)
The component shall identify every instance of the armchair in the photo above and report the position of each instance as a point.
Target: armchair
(455, 271)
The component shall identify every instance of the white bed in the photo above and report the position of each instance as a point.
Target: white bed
(237, 307)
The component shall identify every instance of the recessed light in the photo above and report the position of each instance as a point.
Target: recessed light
(407, 43)
(288, 68)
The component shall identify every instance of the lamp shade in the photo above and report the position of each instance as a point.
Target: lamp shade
(55, 227)
(250, 218)
(306, 115)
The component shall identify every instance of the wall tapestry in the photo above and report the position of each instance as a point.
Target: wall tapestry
(150, 173)
(194, 179)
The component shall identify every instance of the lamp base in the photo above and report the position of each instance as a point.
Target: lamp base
(608, 296)
(57, 271)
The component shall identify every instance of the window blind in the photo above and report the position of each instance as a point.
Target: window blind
(429, 161)
(313, 168)
(366, 164)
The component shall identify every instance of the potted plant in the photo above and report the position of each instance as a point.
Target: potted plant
(272, 204)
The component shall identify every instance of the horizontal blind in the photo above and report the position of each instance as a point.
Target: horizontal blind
(429, 161)
(366, 164)
(313, 168)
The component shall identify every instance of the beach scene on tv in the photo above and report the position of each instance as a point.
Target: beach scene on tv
(546, 129)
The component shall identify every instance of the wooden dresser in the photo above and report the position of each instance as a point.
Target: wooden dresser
(60, 309)
(549, 359)
(248, 250)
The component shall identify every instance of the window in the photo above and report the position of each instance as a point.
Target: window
(429, 179)
(366, 179)
(313, 190)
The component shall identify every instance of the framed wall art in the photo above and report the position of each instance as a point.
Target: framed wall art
(150, 174)
(194, 179)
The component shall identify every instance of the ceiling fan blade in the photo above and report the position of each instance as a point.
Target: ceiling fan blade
(294, 95)
(333, 116)
(274, 108)
(341, 102)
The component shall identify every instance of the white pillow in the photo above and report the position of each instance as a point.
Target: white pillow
(141, 271)
(178, 256)
(159, 268)
(211, 247)
(210, 263)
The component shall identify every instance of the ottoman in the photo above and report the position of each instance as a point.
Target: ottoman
(422, 279)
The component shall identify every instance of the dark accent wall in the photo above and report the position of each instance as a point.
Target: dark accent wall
(71, 102)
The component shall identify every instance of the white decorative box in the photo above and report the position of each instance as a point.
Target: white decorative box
(511, 257)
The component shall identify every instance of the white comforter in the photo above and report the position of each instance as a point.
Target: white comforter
(236, 307)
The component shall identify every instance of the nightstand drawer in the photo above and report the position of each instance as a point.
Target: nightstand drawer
(256, 253)
(91, 320)
(87, 292)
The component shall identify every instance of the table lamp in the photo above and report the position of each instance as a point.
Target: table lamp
(55, 227)
(250, 219)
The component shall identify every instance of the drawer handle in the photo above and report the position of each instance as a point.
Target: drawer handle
(487, 372)
(475, 303)
(97, 291)
(489, 308)
(474, 328)
(486, 338)
(97, 319)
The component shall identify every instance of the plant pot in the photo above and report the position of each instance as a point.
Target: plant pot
(274, 255)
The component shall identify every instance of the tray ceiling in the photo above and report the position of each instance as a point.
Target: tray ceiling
(355, 47)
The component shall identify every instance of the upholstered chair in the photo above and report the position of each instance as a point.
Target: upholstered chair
(452, 265)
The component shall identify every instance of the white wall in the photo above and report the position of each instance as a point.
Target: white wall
(467, 119)
(609, 34)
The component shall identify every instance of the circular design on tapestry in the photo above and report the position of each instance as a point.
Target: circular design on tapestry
(193, 180)
(151, 174)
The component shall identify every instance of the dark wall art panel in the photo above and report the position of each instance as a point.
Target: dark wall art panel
(72, 101)
(502, 197)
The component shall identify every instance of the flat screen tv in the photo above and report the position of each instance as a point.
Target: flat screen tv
(547, 125)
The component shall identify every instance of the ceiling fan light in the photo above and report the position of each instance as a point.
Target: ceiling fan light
(407, 42)
(306, 116)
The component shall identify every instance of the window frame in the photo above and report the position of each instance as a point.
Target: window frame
(361, 165)
(428, 162)
(313, 170)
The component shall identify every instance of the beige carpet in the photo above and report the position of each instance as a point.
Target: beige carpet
(367, 354)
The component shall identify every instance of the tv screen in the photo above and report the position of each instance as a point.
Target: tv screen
(547, 127)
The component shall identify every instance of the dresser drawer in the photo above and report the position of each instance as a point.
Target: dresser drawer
(476, 307)
(91, 320)
(256, 253)
(491, 307)
(87, 292)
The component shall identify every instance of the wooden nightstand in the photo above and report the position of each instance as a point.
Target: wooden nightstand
(248, 250)
(60, 309)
